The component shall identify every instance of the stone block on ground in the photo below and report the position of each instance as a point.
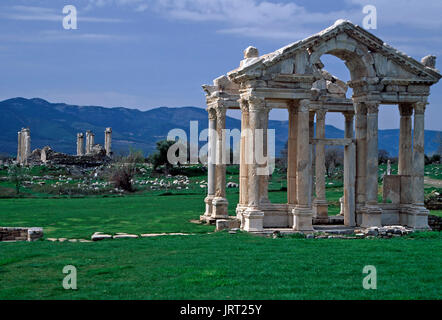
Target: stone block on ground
(223, 224)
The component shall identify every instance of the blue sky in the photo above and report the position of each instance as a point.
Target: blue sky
(149, 53)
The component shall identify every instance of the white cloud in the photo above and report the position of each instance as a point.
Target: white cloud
(29, 13)
(138, 5)
(410, 13)
(284, 20)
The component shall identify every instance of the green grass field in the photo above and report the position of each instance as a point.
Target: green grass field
(205, 265)
(224, 266)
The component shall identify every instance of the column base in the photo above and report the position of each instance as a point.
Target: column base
(240, 210)
(404, 211)
(371, 216)
(253, 220)
(220, 208)
(302, 218)
(208, 201)
(320, 209)
(418, 217)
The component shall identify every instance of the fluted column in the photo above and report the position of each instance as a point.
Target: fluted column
(220, 203)
(253, 216)
(264, 178)
(19, 146)
(302, 213)
(311, 130)
(243, 168)
(418, 218)
(405, 140)
(320, 207)
(361, 153)
(80, 144)
(405, 158)
(108, 141)
(211, 159)
(348, 200)
(26, 143)
(372, 212)
(291, 155)
(88, 142)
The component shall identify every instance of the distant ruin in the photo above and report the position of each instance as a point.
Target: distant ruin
(90, 155)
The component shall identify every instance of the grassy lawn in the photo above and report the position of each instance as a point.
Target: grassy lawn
(200, 266)
(80, 218)
(224, 266)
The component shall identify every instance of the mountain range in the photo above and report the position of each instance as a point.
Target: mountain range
(57, 124)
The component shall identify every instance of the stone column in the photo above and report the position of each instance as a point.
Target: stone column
(361, 152)
(418, 217)
(211, 160)
(405, 169)
(19, 146)
(26, 145)
(80, 144)
(291, 155)
(88, 142)
(405, 135)
(264, 179)
(302, 213)
(108, 141)
(349, 135)
(219, 202)
(320, 207)
(92, 143)
(243, 168)
(253, 216)
(372, 211)
(311, 128)
(349, 174)
(349, 185)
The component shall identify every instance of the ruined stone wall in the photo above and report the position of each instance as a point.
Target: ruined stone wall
(20, 234)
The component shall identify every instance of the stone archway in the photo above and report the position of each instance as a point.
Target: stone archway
(284, 79)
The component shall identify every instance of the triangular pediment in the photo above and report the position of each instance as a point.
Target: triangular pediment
(389, 61)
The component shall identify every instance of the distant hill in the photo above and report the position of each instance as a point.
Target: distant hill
(56, 125)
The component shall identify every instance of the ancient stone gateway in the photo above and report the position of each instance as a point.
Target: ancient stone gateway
(293, 78)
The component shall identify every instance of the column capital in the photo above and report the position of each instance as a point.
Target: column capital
(320, 114)
(212, 113)
(256, 103)
(348, 116)
(360, 108)
(292, 105)
(304, 105)
(419, 107)
(405, 109)
(372, 106)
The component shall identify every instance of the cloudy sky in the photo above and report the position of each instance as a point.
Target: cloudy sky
(149, 53)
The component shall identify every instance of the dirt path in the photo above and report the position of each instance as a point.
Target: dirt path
(433, 182)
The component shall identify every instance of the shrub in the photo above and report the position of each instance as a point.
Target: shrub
(121, 176)
(17, 175)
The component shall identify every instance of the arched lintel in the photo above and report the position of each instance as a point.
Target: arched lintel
(356, 56)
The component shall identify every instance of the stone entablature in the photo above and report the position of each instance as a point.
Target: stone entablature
(293, 78)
